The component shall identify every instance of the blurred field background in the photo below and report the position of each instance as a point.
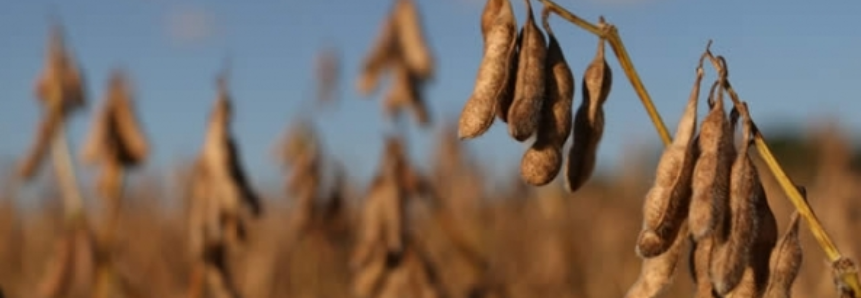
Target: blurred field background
(482, 231)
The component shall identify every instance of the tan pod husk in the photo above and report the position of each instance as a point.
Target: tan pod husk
(406, 92)
(786, 259)
(382, 53)
(525, 111)
(543, 160)
(700, 257)
(755, 279)
(116, 141)
(712, 169)
(666, 204)
(493, 75)
(60, 91)
(411, 39)
(736, 237)
(588, 122)
(657, 273)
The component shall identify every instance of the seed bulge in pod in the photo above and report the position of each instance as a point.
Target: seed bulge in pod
(786, 259)
(736, 238)
(712, 169)
(588, 122)
(542, 162)
(525, 111)
(666, 205)
(493, 74)
(414, 48)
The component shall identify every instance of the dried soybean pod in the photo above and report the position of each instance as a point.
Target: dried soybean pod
(60, 91)
(132, 141)
(488, 16)
(542, 161)
(45, 133)
(504, 100)
(657, 273)
(700, 256)
(756, 275)
(666, 203)
(711, 172)
(786, 259)
(586, 135)
(382, 53)
(598, 78)
(735, 239)
(405, 92)
(414, 48)
(493, 74)
(588, 121)
(525, 111)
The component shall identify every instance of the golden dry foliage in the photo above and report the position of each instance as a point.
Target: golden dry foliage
(495, 72)
(386, 260)
(525, 111)
(736, 237)
(402, 49)
(543, 160)
(666, 205)
(116, 140)
(60, 91)
(380, 235)
(72, 269)
(300, 151)
(589, 121)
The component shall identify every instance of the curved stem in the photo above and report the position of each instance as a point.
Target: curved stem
(611, 34)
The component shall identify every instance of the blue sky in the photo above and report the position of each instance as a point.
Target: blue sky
(795, 62)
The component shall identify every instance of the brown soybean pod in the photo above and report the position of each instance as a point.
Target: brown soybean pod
(382, 53)
(712, 169)
(488, 16)
(666, 204)
(586, 135)
(755, 278)
(735, 239)
(414, 48)
(701, 252)
(503, 102)
(51, 121)
(657, 273)
(542, 162)
(786, 259)
(588, 122)
(493, 74)
(525, 111)
(132, 142)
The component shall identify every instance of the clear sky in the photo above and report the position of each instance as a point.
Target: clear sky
(795, 62)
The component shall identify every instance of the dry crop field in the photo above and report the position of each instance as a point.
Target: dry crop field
(716, 215)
